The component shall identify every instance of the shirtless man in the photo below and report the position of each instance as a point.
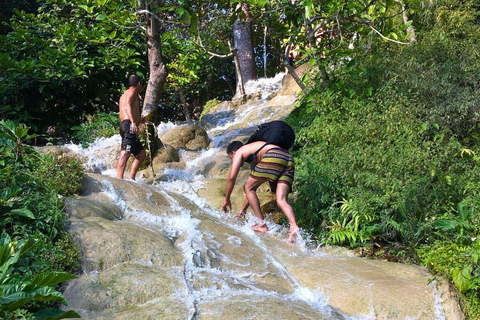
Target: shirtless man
(130, 119)
(272, 164)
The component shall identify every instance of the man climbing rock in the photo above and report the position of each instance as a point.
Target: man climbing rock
(272, 164)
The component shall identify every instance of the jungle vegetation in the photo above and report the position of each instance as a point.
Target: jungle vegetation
(387, 130)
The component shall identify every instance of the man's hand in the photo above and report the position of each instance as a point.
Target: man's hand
(134, 128)
(240, 215)
(226, 205)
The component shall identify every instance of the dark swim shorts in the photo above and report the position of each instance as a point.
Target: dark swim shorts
(130, 141)
(276, 166)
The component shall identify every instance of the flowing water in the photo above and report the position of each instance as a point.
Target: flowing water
(160, 248)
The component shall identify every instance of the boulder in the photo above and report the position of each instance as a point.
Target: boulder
(192, 137)
(54, 150)
(166, 155)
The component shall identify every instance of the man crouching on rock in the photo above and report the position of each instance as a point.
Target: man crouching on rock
(272, 164)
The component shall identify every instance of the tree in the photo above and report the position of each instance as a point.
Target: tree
(67, 61)
(243, 39)
(158, 71)
(327, 34)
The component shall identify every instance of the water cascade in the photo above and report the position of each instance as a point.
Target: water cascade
(160, 248)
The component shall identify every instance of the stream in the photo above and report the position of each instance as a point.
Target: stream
(161, 248)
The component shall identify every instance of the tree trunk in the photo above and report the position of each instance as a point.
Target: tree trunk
(243, 40)
(410, 29)
(158, 70)
(157, 77)
(240, 87)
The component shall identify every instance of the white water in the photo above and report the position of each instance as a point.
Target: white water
(195, 243)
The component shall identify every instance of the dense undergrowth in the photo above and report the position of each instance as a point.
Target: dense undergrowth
(37, 254)
(387, 153)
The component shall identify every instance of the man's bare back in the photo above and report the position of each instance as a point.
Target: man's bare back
(129, 105)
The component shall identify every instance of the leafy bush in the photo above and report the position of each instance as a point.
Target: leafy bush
(18, 290)
(460, 264)
(389, 149)
(66, 60)
(62, 174)
(31, 204)
(97, 126)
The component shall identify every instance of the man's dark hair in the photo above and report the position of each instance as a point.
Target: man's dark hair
(133, 80)
(234, 146)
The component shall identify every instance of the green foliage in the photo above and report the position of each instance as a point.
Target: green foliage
(100, 125)
(18, 290)
(209, 105)
(15, 137)
(8, 211)
(460, 264)
(67, 60)
(387, 150)
(61, 174)
(31, 190)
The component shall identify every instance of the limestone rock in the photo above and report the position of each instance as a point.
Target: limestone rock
(54, 150)
(192, 137)
(166, 155)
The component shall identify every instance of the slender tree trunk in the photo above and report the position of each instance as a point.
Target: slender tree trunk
(405, 21)
(157, 77)
(240, 87)
(158, 70)
(243, 41)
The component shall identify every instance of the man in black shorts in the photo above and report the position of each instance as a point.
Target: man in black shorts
(130, 119)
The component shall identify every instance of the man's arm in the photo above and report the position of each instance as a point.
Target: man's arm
(129, 102)
(232, 177)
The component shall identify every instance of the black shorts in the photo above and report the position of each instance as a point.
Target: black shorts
(130, 141)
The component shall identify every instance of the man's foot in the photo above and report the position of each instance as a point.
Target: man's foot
(260, 227)
(292, 235)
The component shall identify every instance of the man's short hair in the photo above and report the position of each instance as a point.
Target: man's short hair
(133, 80)
(234, 146)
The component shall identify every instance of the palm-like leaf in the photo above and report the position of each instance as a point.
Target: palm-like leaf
(55, 314)
(51, 278)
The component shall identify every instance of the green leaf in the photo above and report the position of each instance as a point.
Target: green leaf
(21, 213)
(309, 9)
(6, 251)
(446, 225)
(51, 278)
(25, 246)
(17, 295)
(157, 9)
(101, 17)
(463, 278)
(55, 314)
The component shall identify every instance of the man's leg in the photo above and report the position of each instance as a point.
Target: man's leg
(122, 162)
(136, 164)
(282, 202)
(250, 187)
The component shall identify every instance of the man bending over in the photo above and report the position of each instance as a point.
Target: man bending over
(272, 164)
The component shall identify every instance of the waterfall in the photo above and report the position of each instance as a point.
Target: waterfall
(163, 249)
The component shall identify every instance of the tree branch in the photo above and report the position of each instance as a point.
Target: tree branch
(381, 35)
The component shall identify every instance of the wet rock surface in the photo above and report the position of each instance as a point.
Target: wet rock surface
(192, 137)
(160, 248)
